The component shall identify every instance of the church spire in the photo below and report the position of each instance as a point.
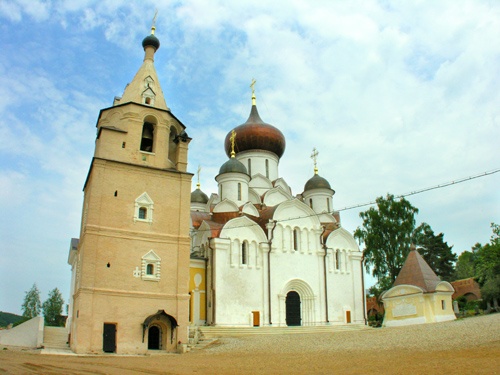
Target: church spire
(145, 87)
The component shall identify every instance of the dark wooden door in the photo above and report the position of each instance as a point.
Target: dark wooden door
(109, 338)
(154, 338)
(292, 303)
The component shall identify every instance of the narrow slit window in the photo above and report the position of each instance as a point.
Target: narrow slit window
(244, 253)
(250, 167)
(267, 168)
(239, 191)
(296, 239)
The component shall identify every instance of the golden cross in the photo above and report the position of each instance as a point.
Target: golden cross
(153, 26)
(314, 157)
(232, 139)
(252, 86)
(198, 173)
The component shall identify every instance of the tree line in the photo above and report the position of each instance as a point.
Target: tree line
(388, 231)
(52, 307)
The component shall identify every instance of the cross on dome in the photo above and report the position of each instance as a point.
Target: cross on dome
(232, 139)
(252, 86)
(314, 157)
(153, 26)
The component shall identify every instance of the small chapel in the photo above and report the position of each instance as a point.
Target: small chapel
(418, 295)
(153, 259)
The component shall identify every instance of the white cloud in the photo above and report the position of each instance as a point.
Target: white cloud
(395, 96)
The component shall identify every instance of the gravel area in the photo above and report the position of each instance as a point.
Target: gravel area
(468, 346)
(457, 334)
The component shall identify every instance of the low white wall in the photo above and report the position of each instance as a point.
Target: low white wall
(29, 334)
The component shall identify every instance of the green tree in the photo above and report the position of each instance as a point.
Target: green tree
(483, 263)
(464, 267)
(53, 307)
(32, 306)
(387, 232)
(435, 251)
(487, 267)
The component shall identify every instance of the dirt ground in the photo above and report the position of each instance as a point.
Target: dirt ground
(321, 353)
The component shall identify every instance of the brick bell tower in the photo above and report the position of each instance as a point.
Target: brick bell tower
(130, 266)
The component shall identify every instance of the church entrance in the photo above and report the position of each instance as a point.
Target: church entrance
(154, 338)
(292, 304)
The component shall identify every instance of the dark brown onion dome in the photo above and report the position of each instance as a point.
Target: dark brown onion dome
(255, 134)
(233, 165)
(197, 196)
(317, 182)
(151, 40)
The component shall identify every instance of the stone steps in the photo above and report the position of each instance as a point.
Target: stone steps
(210, 332)
(55, 338)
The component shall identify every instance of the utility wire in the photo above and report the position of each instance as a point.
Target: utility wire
(415, 192)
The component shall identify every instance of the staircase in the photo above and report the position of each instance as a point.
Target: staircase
(211, 332)
(55, 340)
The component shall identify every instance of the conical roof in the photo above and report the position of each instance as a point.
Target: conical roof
(145, 82)
(417, 272)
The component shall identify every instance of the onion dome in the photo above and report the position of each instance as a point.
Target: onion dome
(151, 40)
(233, 165)
(255, 134)
(197, 196)
(317, 182)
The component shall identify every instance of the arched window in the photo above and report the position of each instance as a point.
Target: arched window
(296, 239)
(143, 213)
(267, 168)
(250, 167)
(239, 191)
(337, 259)
(150, 269)
(147, 139)
(244, 252)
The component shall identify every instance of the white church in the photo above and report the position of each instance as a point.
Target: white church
(261, 256)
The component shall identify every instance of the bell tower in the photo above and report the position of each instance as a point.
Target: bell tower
(131, 265)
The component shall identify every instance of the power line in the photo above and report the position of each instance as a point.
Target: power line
(423, 190)
(419, 191)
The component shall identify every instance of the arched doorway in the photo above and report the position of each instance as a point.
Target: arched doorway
(154, 338)
(292, 304)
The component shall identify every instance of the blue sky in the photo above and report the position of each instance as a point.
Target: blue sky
(396, 96)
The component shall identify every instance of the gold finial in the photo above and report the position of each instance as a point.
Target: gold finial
(153, 26)
(252, 86)
(314, 157)
(198, 173)
(232, 139)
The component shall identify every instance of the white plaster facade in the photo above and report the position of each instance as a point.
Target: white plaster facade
(262, 243)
